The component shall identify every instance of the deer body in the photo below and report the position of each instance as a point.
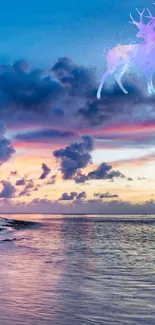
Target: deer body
(124, 57)
(119, 60)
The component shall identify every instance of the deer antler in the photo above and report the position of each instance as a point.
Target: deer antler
(150, 15)
(138, 24)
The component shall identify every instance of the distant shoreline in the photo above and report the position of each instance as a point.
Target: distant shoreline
(79, 214)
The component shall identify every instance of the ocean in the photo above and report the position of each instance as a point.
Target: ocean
(77, 270)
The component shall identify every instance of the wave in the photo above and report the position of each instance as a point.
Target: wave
(17, 224)
(10, 226)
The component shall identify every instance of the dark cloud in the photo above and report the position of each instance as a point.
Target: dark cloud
(36, 188)
(46, 171)
(113, 104)
(66, 95)
(81, 196)
(43, 135)
(94, 113)
(52, 180)
(80, 177)
(130, 179)
(78, 80)
(75, 156)
(68, 197)
(20, 182)
(14, 173)
(6, 149)
(30, 186)
(28, 88)
(72, 196)
(44, 97)
(65, 98)
(8, 190)
(25, 192)
(103, 171)
(105, 195)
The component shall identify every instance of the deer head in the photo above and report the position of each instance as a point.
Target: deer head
(146, 31)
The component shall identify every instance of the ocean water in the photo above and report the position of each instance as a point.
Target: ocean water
(77, 270)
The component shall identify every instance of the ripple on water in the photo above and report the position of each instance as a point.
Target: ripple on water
(79, 272)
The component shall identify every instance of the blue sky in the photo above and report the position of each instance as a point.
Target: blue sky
(42, 30)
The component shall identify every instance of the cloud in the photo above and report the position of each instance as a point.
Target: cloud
(30, 186)
(64, 98)
(81, 196)
(43, 135)
(75, 156)
(8, 190)
(28, 88)
(20, 182)
(36, 188)
(50, 98)
(46, 171)
(25, 192)
(6, 149)
(130, 179)
(103, 171)
(113, 106)
(14, 173)
(73, 195)
(61, 103)
(80, 177)
(78, 80)
(105, 195)
(97, 206)
(52, 180)
(68, 197)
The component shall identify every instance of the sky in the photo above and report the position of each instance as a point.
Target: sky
(62, 149)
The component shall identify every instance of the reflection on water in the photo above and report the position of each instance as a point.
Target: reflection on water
(79, 271)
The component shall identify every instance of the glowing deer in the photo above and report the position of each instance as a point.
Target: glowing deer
(123, 57)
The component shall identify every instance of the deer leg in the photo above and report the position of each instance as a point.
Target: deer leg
(148, 75)
(149, 86)
(152, 87)
(118, 77)
(151, 82)
(104, 77)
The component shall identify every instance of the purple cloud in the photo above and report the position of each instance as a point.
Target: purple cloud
(68, 197)
(103, 171)
(20, 182)
(8, 190)
(45, 172)
(75, 156)
(105, 195)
